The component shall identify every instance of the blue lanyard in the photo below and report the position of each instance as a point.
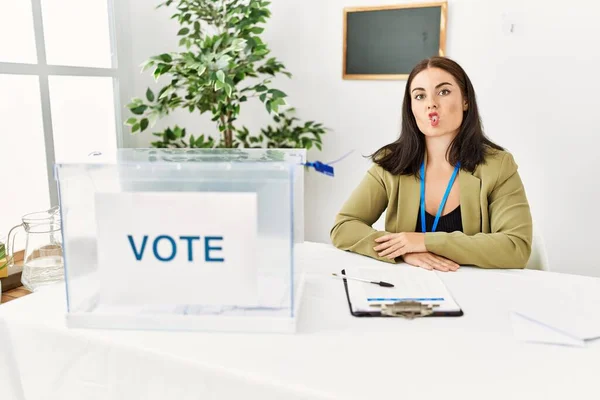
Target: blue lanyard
(442, 204)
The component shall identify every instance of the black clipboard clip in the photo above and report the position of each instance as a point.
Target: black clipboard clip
(406, 309)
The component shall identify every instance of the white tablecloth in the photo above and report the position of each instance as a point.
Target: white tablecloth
(333, 355)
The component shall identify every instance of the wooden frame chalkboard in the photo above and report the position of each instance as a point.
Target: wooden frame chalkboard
(385, 42)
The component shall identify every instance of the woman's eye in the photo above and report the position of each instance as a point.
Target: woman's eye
(444, 92)
(419, 97)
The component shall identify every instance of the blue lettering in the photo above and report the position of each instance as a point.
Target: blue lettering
(168, 255)
(173, 248)
(138, 255)
(189, 240)
(208, 248)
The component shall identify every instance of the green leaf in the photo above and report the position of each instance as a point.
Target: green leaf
(277, 93)
(135, 128)
(279, 102)
(217, 43)
(166, 92)
(135, 102)
(149, 95)
(196, 26)
(158, 71)
(261, 52)
(152, 118)
(183, 31)
(169, 134)
(257, 30)
(143, 124)
(139, 110)
(147, 64)
(221, 76)
(166, 58)
(3, 260)
(223, 62)
(275, 103)
(228, 90)
(131, 121)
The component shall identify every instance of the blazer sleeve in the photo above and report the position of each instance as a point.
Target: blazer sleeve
(509, 243)
(353, 229)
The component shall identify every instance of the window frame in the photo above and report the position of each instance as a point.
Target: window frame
(120, 72)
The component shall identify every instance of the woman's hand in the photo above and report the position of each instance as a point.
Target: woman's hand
(397, 244)
(430, 261)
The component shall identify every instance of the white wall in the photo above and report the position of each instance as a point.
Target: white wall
(537, 89)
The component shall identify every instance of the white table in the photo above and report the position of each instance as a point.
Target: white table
(333, 355)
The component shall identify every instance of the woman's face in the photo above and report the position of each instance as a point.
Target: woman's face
(437, 102)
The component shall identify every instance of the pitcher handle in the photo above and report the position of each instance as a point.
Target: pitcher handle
(10, 245)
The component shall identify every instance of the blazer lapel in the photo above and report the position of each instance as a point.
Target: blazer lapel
(470, 205)
(409, 200)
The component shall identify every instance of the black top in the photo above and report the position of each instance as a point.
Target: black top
(451, 222)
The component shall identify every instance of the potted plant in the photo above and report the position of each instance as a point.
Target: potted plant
(3, 261)
(223, 64)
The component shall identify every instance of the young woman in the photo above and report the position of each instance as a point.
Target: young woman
(452, 196)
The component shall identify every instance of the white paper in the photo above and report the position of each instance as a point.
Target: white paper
(528, 330)
(410, 283)
(136, 277)
(571, 306)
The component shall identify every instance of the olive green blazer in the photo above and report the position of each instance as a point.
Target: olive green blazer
(496, 217)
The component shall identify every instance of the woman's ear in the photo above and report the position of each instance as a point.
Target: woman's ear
(465, 105)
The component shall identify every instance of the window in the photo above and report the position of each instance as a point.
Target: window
(59, 95)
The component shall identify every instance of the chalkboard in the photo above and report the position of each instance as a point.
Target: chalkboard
(387, 42)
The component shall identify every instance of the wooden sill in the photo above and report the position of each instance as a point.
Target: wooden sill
(13, 280)
(14, 294)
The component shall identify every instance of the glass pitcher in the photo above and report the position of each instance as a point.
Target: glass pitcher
(43, 259)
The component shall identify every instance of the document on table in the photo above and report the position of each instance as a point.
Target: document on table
(410, 283)
(563, 311)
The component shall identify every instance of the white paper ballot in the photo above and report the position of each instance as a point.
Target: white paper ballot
(410, 283)
(565, 309)
(531, 330)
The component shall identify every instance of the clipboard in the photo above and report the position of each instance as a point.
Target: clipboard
(404, 309)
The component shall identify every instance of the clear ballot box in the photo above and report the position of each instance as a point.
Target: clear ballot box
(183, 239)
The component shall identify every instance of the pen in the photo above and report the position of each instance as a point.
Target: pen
(380, 283)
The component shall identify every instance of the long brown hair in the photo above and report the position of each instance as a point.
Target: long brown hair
(469, 147)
